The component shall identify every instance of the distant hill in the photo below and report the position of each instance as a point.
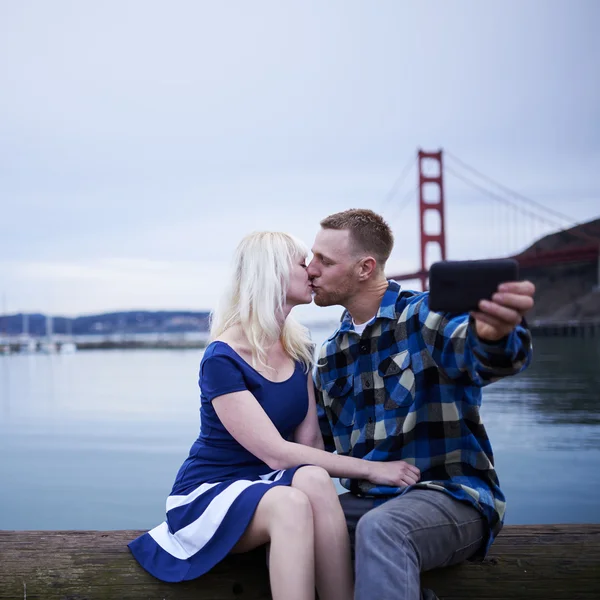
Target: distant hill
(566, 291)
(138, 321)
(567, 239)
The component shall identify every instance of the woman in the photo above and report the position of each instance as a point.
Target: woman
(258, 473)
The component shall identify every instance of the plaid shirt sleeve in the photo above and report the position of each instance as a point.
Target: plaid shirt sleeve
(457, 350)
(324, 424)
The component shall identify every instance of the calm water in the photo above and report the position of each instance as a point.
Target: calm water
(93, 440)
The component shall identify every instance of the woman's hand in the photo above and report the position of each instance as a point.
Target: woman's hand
(395, 473)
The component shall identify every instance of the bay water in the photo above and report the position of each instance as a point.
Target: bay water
(93, 440)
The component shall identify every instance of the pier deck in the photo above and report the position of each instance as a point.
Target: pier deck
(550, 562)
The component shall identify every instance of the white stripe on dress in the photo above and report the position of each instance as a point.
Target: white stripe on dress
(168, 542)
(193, 537)
(279, 475)
(175, 501)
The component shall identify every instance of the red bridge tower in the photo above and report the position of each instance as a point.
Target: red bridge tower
(431, 199)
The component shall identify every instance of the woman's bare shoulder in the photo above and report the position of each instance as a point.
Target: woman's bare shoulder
(235, 339)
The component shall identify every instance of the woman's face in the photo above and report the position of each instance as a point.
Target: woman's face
(299, 290)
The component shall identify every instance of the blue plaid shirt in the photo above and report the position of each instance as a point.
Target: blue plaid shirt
(409, 388)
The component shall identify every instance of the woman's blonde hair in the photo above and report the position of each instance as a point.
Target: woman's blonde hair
(256, 296)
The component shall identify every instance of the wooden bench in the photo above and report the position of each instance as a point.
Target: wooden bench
(533, 562)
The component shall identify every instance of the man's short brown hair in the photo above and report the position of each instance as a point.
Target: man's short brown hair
(368, 231)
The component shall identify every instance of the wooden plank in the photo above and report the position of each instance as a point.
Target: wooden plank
(550, 562)
(90, 565)
(553, 562)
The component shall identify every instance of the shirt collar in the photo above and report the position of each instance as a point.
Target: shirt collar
(387, 309)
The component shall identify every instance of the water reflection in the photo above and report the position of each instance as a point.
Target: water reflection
(561, 386)
(4, 389)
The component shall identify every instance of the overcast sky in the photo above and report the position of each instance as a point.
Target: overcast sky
(140, 140)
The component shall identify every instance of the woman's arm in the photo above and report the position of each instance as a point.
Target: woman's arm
(308, 432)
(245, 419)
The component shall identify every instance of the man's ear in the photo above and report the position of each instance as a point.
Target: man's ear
(366, 268)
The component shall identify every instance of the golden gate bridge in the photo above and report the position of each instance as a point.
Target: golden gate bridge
(580, 244)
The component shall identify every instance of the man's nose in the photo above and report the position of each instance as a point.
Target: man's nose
(311, 270)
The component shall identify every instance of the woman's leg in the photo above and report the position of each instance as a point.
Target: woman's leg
(334, 577)
(284, 518)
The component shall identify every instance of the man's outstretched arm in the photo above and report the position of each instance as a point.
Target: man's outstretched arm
(486, 345)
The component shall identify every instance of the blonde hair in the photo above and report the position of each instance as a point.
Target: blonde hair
(256, 296)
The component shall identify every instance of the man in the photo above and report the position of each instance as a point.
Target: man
(397, 381)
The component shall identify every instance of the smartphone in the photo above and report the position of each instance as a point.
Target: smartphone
(457, 286)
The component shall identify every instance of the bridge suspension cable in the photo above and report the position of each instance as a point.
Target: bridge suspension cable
(522, 198)
(499, 198)
(508, 190)
(408, 167)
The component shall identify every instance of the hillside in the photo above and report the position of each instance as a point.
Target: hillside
(566, 239)
(566, 291)
(138, 321)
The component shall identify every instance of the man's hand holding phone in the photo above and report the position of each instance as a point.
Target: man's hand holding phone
(497, 317)
(489, 290)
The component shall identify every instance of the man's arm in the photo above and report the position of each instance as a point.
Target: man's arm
(486, 345)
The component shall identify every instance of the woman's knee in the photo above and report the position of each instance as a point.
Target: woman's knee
(288, 506)
(280, 510)
(314, 481)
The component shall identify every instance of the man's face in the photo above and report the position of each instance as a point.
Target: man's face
(332, 269)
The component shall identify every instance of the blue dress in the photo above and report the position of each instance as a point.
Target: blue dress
(220, 484)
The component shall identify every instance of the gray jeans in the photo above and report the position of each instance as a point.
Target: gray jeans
(394, 542)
